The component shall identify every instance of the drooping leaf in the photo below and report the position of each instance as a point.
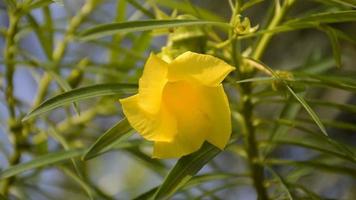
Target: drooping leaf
(311, 112)
(80, 94)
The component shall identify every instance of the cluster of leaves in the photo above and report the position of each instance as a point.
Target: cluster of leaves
(275, 112)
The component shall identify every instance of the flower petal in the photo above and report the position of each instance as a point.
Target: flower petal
(205, 69)
(151, 84)
(218, 110)
(180, 146)
(158, 127)
(202, 114)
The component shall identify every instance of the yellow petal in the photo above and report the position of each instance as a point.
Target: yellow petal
(205, 69)
(151, 84)
(202, 113)
(218, 110)
(155, 127)
(176, 148)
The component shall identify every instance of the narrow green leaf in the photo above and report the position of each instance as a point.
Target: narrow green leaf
(139, 7)
(334, 43)
(315, 146)
(147, 25)
(341, 82)
(80, 94)
(41, 161)
(282, 181)
(110, 137)
(86, 187)
(185, 169)
(332, 168)
(351, 3)
(195, 181)
(326, 17)
(62, 140)
(311, 21)
(297, 124)
(40, 3)
(311, 112)
(44, 41)
(249, 4)
(185, 7)
(257, 79)
(157, 166)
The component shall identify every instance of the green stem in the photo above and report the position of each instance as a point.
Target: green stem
(247, 105)
(59, 51)
(15, 127)
(280, 12)
(251, 143)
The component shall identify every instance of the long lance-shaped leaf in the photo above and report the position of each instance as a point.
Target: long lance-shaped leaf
(109, 138)
(197, 180)
(331, 168)
(351, 3)
(310, 21)
(185, 169)
(41, 161)
(261, 66)
(311, 112)
(146, 25)
(80, 94)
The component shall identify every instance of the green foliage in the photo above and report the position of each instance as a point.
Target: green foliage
(292, 98)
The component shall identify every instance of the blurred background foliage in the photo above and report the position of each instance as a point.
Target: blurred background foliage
(64, 65)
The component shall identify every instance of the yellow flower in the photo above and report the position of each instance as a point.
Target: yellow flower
(181, 104)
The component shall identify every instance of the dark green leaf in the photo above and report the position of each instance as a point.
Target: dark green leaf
(80, 94)
(41, 161)
(311, 112)
(325, 18)
(139, 7)
(108, 139)
(184, 7)
(315, 145)
(332, 34)
(40, 3)
(332, 168)
(185, 169)
(86, 186)
(351, 3)
(135, 26)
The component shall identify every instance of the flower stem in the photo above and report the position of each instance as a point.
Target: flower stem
(280, 11)
(251, 143)
(247, 106)
(15, 127)
(59, 51)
